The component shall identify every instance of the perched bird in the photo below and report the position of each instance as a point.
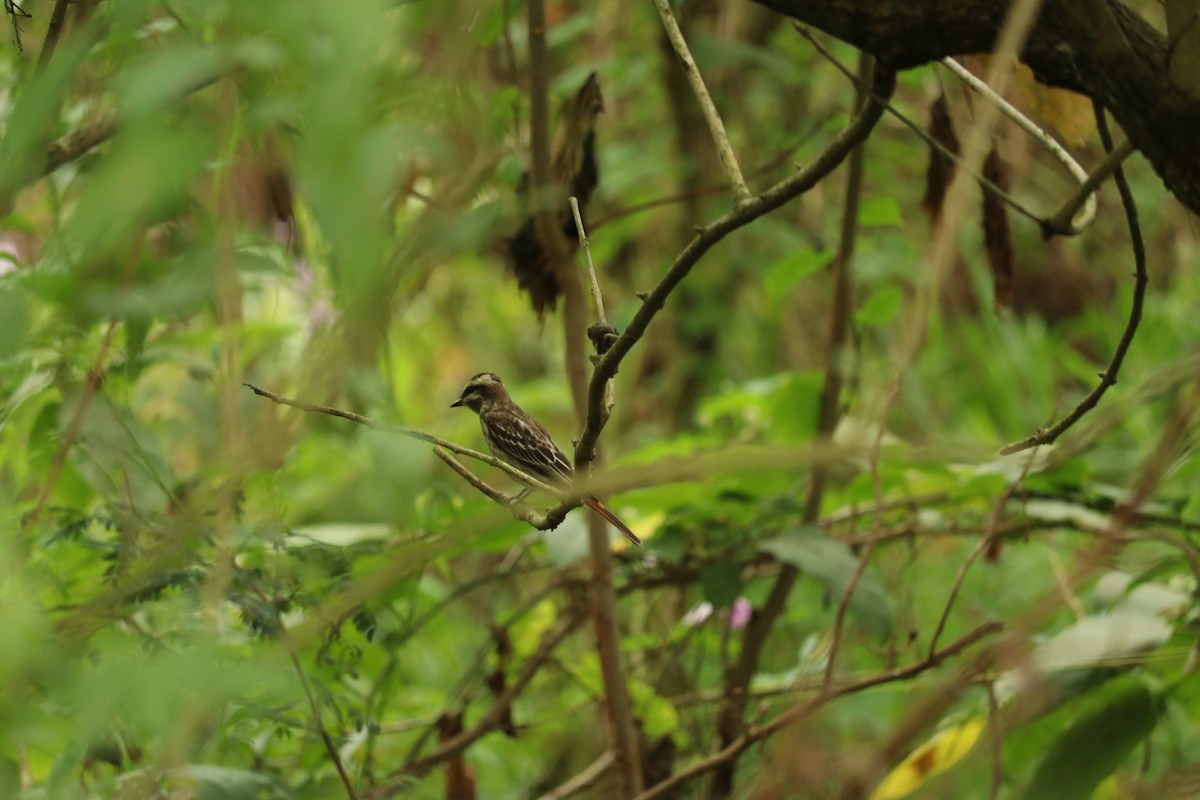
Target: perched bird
(511, 434)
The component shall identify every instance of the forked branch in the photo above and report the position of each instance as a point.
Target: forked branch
(1109, 376)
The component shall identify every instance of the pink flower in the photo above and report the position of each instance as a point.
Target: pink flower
(740, 614)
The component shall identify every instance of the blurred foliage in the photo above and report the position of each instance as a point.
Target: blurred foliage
(315, 197)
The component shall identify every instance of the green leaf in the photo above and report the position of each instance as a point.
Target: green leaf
(795, 406)
(656, 713)
(880, 212)
(1096, 743)
(832, 563)
(722, 583)
(14, 321)
(791, 269)
(881, 307)
(226, 783)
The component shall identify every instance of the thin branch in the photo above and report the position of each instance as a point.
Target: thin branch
(79, 142)
(330, 747)
(986, 543)
(805, 709)
(90, 135)
(411, 433)
(995, 740)
(1073, 226)
(770, 165)
(519, 510)
(864, 558)
(1062, 219)
(597, 297)
(94, 376)
(58, 18)
(510, 53)
(712, 119)
(730, 720)
(924, 136)
(471, 478)
(494, 716)
(1109, 376)
(711, 234)
(472, 672)
(610, 397)
(583, 780)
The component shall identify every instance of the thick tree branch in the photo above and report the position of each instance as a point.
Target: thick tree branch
(1100, 48)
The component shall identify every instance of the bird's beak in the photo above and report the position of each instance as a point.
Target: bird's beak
(456, 403)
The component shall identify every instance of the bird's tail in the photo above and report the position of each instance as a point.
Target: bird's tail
(611, 518)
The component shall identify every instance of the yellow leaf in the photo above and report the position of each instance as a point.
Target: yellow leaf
(937, 755)
(1067, 114)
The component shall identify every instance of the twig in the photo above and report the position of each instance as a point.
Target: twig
(581, 781)
(475, 664)
(597, 297)
(330, 747)
(1073, 226)
(805, 709)
(1062, 219)
(58, 18)
(716, 127)
(411, 433)
(983, 544)
(1109, 376)
(711, 234)
(996, 740)
(456, 744)
(1068, 595)
(510, 52)
(770, 165)
(986, 543)
(839, 621)
(924, 136)
(91, 387)
(79, 142)
(737, 680)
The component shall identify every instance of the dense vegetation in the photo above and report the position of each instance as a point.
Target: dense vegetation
(825, 330)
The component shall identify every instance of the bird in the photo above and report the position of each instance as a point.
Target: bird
(514, 436)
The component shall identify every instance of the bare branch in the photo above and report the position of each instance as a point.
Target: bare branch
(581, 781)
(716, 128)
(455, 745)
(1140, 279)
(597, 297)
(330, 747)
(807, 708)
(442, 447)
(711, 234)
(1072, 225)
(58, 18)
(1061, 220)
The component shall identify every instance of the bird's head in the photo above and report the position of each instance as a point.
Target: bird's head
(481, 392)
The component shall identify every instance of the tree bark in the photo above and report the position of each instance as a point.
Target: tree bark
(1099, 48)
